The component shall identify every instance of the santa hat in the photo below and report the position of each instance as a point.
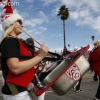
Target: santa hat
(7, 15)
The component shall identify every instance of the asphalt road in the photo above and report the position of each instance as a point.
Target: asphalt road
(88, 86)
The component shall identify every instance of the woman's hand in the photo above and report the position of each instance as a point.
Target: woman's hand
(43, 51)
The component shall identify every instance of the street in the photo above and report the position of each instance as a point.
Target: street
(88, 86)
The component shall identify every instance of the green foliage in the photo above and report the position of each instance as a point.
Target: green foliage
(92, 38)
(63, 12)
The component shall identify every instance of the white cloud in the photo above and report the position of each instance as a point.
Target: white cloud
(29, 23)
(42, 28)
(82, 17)
(37, 21)
(25, 15)
(94, 4)
(84, 12)
(33, 22)
(55, 11)
(42, 18)
(96, 24)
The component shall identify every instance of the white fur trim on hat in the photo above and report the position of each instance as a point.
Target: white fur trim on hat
(10, 20)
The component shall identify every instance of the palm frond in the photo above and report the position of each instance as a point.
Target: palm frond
(63, 12)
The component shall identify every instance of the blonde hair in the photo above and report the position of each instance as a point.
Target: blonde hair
(7, 32)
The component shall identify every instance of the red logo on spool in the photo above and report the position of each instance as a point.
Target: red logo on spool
(73, 72)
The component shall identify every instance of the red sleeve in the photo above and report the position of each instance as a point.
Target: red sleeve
(34, 54)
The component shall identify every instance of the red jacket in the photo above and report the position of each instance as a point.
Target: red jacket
(94, 60)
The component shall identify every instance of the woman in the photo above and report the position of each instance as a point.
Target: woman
(14, 66)
(94, 60)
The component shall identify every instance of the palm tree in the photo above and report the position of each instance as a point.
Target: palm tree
(92, 39)
(64, 13)
(69, 46)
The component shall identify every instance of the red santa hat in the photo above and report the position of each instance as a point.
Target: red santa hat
(7, 15)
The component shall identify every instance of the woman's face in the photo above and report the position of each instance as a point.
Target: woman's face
(18, 27)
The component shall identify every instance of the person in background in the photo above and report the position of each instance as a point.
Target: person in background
(95, 77)
(31, 45)
(16, 59)
(41, 64)
(78, 86)
(94, 60)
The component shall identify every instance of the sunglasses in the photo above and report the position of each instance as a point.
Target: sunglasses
(20, 22)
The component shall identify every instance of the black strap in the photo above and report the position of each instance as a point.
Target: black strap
(52, 59)
(25, 57)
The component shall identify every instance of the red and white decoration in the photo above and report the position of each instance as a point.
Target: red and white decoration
(73, 72)
(7, 15)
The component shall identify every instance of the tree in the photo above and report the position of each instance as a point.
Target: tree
(69, 46)
(64, 14)
(92, 39)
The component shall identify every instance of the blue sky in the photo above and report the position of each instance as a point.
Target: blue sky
(41, 21)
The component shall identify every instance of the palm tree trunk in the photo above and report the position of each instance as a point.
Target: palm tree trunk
(64, 33)
(65, 49)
